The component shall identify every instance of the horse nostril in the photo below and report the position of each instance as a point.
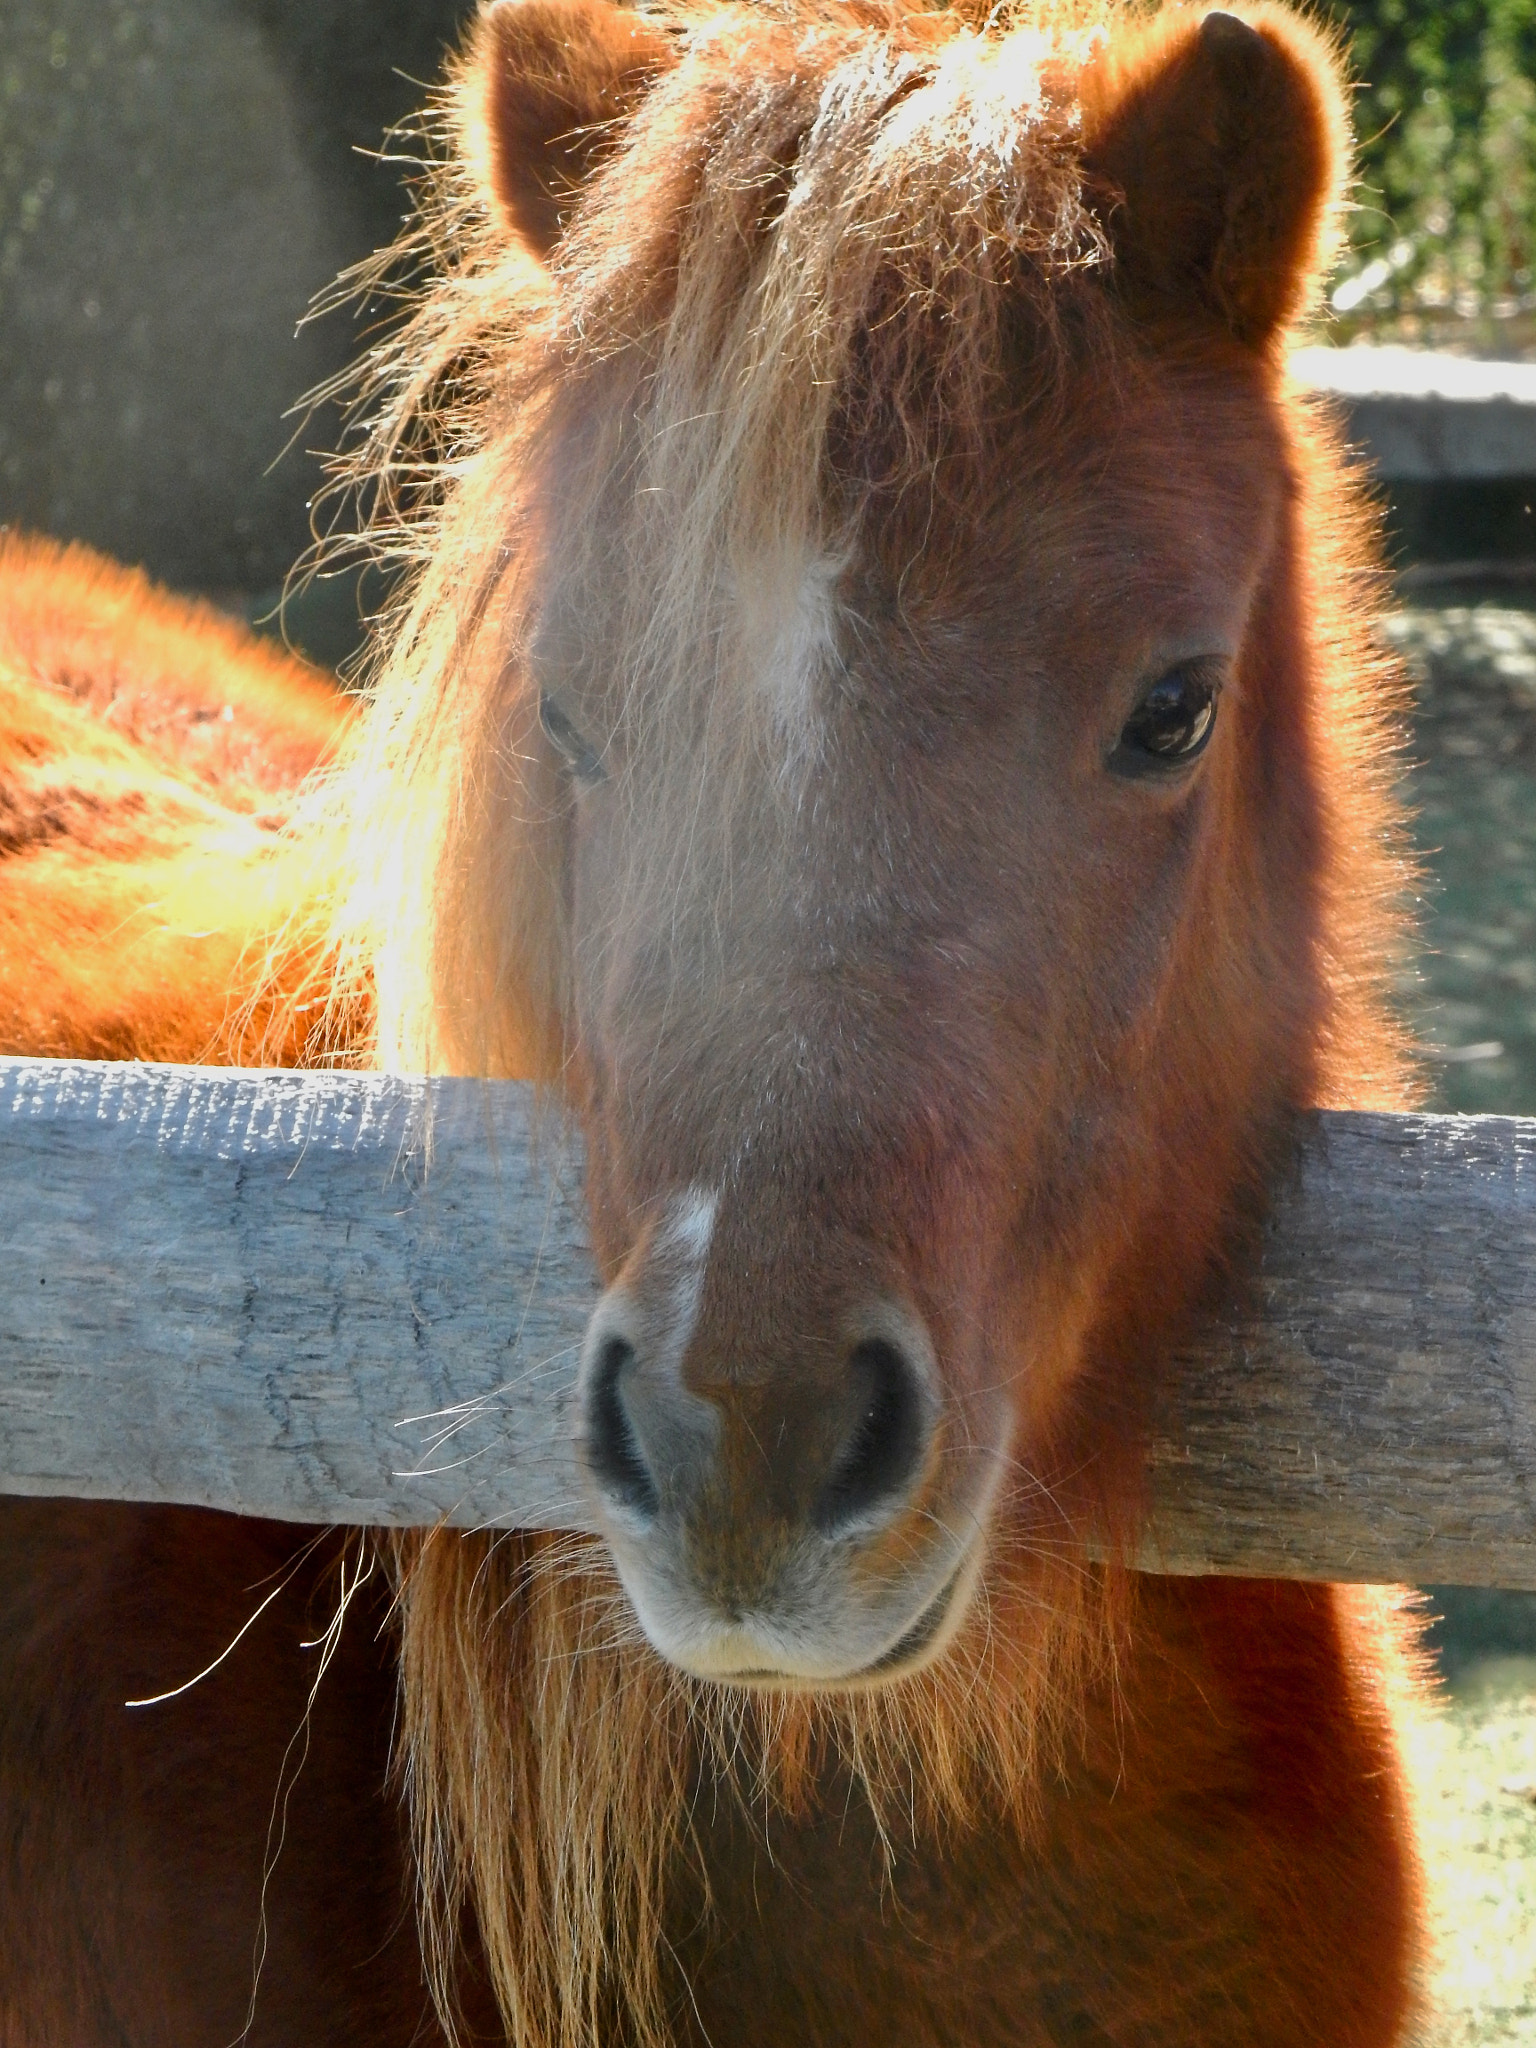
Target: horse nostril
(886, 1444)
(613, 1449)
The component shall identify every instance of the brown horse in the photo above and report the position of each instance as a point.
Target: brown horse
(883, 720)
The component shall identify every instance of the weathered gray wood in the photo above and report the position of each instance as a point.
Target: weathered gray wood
(1428, 417)
(255, 1291)
(1370, 1413)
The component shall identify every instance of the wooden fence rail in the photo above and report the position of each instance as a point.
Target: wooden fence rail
(268, 1292)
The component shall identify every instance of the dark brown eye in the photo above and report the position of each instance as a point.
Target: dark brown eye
(1173, 721)
(574, 749)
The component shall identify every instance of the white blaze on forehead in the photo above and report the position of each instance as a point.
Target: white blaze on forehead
(790, 618)
(688, 1224)
(680, 1251)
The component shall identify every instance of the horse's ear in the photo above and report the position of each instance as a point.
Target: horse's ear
(547, 81)
(1216, 147)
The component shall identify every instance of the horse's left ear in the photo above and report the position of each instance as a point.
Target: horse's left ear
(1216, 148)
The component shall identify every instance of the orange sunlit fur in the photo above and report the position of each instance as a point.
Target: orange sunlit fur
(150, 753)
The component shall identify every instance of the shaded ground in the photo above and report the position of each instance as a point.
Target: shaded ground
(1474, 781)
(1475, 788)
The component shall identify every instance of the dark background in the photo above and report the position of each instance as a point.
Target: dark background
(178, 178)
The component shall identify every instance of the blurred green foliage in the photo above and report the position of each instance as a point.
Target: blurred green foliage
(1446, 121)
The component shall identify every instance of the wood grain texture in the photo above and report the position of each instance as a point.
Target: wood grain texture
(1368, 1411)
(270, 1292)
(256, 1291)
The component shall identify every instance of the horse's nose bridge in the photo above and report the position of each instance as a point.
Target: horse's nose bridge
(781, 1415)
(778, 1310)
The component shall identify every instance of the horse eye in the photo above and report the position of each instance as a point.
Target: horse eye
(574, 749)
(1171, 724)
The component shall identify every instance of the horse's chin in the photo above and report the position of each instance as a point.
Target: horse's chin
(761, 1657)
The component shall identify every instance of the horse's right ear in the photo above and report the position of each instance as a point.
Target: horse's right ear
(1216, 148)
(547, 80)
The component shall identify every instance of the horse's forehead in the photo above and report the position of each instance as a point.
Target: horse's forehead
(1106, 520)
(793, 621)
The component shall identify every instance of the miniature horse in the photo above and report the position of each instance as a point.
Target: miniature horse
(882, 720)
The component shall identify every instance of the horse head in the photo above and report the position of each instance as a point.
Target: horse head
(902, 771)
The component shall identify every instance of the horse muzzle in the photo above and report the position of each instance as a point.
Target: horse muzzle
(792, 1520)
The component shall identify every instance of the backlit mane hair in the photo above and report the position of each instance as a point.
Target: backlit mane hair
(748, 400)
(926, 192)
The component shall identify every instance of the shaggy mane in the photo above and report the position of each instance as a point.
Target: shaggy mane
(555, 1764)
